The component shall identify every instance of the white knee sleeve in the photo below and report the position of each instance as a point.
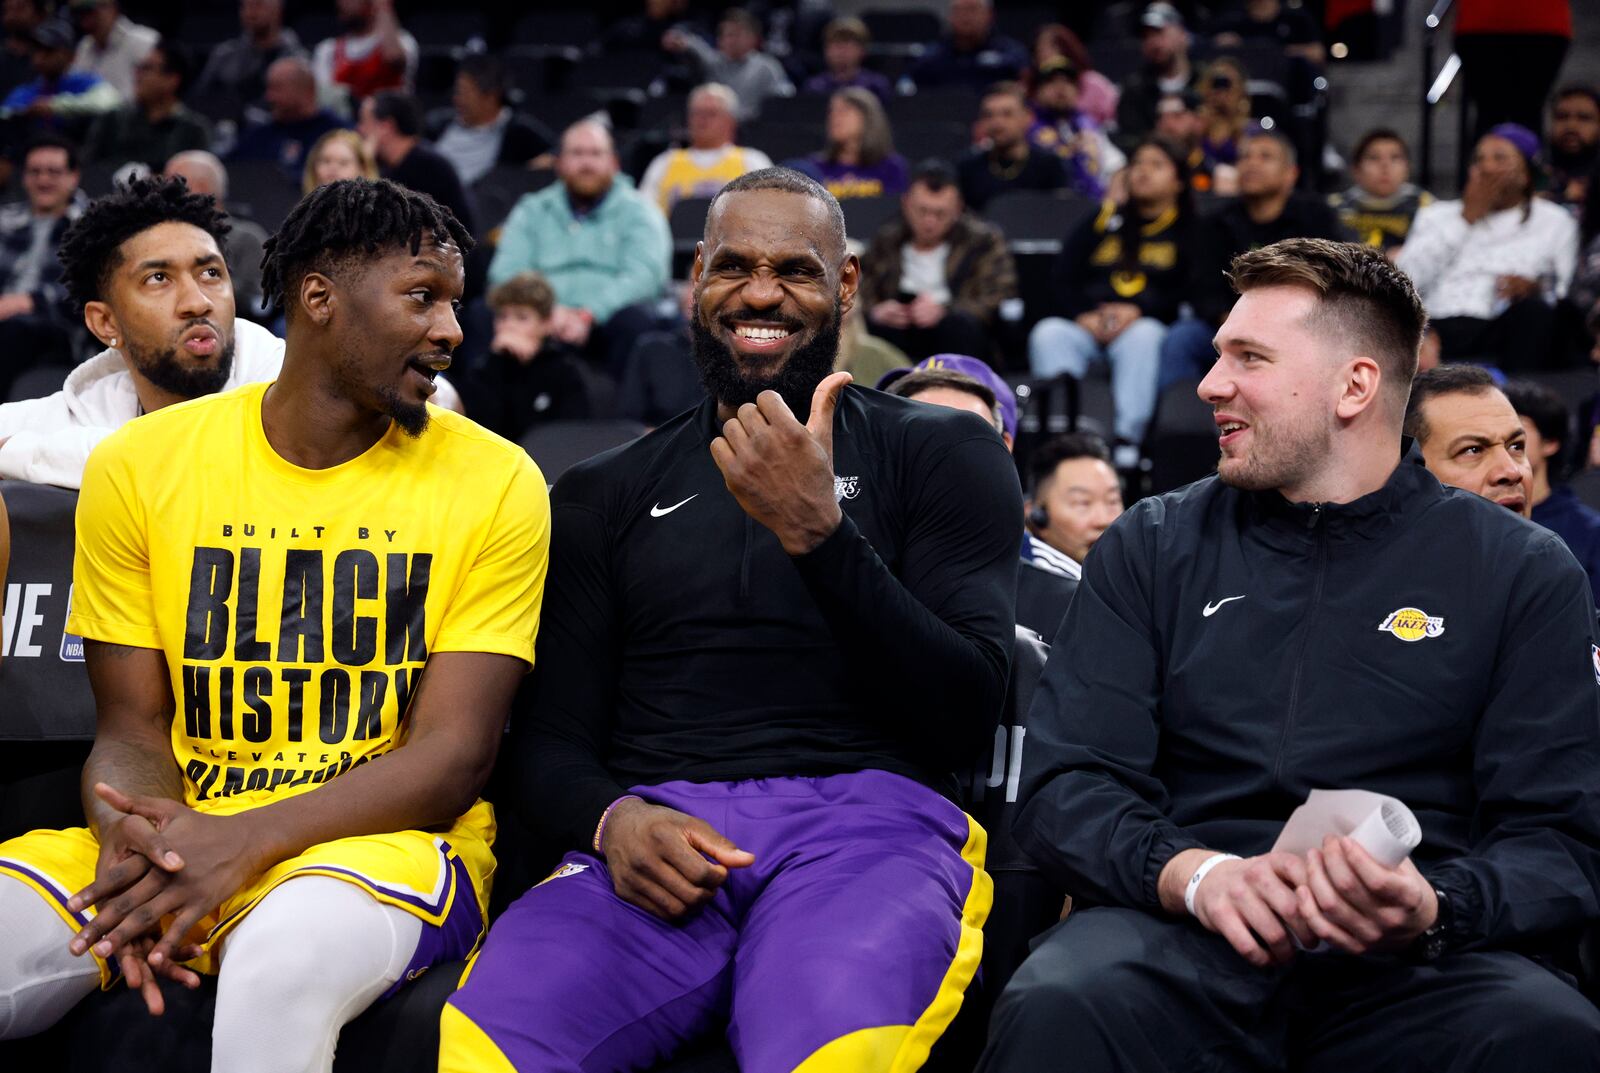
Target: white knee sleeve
(39, 980)
(313, 955)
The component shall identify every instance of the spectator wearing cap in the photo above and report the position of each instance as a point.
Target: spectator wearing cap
(1224, 109)
(844, 52)
(236, 70)
(294, 123)
(1178, 119)
(1046, 579)
(711, 160)
(973, 54)
(391, 123)
(1164, 49)
(1268, 210)
(374, 53)
(1007, 160)
(1269, 21)
(485, 132)
(1574, 143)
(112, 44)
(737, 62)
(933, 280)
(860, 160)
(1119, 281)
(57, 92)
(1490, 266)
(1379, 207)
(1097, 94)
(155, 125)
(1549, 428)
(1060, 126)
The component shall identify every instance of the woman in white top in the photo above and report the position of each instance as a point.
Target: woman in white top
(1491, 266)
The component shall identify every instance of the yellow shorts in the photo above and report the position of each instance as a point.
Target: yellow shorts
(441, 878)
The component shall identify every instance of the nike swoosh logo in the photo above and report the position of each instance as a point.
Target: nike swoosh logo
(658, 511)
(1211, 609)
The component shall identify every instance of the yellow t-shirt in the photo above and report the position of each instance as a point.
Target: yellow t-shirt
(298, 607)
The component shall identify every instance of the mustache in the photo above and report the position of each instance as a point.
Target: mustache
(767, 320)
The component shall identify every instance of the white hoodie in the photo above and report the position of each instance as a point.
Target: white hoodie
(48, 440)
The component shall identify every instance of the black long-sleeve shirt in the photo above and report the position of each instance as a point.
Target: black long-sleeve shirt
(1119, 256)
(1228, 652)
(679, 640)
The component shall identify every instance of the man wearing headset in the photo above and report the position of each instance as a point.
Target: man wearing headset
(1074, 497)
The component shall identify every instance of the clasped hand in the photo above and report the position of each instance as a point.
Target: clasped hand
(163, 868)
(1264, 906)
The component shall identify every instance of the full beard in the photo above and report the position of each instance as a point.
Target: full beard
(726, 380)
(1278, 459)
(163, 369)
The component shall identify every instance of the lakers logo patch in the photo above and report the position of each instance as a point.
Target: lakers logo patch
(564, 871)
(1410, 624)
(846, 487)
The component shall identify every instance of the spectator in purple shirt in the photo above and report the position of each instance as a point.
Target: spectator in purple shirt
(844, 50)
(860, 160)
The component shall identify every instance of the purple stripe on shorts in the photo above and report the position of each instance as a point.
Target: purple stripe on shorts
(452, 939)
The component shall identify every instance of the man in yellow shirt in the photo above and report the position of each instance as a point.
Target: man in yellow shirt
(711, 160)
(277, 793)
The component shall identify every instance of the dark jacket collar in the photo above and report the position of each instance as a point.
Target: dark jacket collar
(1369, 518)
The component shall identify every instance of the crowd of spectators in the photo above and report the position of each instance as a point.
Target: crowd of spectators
(1157, 143)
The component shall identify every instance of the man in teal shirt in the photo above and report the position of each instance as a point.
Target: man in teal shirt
(604, 248)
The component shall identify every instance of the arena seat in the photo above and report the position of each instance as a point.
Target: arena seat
(1182, 442)
(894, 27)
(37, 382)
(863, 216)
(259, 190)
(1035, 221)
(558, 445)
(687, 221)
(557, 27)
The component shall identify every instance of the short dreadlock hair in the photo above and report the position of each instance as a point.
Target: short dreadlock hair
(336, 224)
(91, 248)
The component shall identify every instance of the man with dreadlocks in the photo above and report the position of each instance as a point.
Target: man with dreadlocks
(277, 792)
(778, 624)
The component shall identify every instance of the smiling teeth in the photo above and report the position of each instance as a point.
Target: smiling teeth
(762, 335)
(1232, 426)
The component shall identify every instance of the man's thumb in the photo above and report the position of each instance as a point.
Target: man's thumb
(717, 846)
(823, 402)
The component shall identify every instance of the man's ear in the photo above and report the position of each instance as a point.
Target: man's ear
(698, 265)
(102, 323)
(1549, 448)
(317, 298)
(1363, 379)
(849, 282)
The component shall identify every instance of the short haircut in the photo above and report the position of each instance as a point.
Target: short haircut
(1373, 137)
(208, 160)
(528, 289)
(177, 60)
(484, 71)
(347, 221)
(51, 141)
(1549, 415)
(1361, 298)
(743, 18)
(847, 28)
(1047, 456)
(1006, 89)
(399, 108)
(1274, 134)
(718, 92)
(91, 248)
(937, 175)
(1577, 89)
(788, 181)
(1455, 378)
(915, 383)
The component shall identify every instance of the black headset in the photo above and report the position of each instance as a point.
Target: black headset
(1039, 516)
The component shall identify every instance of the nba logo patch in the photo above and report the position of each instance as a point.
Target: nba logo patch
(1594, 659)
(71, 643)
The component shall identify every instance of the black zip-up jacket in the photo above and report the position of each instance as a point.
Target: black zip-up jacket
(1227, 652)
(678, 640)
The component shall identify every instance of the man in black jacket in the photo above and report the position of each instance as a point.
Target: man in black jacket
(1321, 614)
(769, 646)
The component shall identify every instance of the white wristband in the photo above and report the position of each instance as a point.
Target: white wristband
(1200, 873)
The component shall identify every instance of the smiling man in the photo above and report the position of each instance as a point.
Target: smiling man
(1470, 435)
(1323, 613)
(777, 624)
(307, 605)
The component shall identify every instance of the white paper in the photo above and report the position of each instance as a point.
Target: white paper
(1383, 826)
